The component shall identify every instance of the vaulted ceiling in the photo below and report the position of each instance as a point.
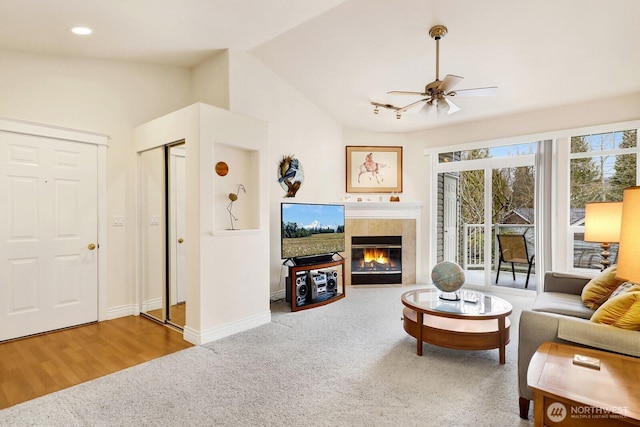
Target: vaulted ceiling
(343, 54)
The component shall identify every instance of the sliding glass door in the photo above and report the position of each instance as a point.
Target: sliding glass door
(482, 193)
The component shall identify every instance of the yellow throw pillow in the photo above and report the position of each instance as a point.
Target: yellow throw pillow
(598, 290)
(622, 311)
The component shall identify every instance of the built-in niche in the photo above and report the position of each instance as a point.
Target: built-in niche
(243, 165)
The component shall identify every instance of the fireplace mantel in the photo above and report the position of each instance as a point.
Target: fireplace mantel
(382, 210)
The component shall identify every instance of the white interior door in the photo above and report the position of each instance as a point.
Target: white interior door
(48, 234)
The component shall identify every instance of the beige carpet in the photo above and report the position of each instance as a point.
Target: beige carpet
(349, 363)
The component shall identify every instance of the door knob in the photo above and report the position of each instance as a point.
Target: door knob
(180, 240)
(91, 246)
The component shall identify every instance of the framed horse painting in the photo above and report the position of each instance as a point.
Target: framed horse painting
(374, 169)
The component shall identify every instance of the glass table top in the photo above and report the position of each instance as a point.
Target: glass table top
(471, 303)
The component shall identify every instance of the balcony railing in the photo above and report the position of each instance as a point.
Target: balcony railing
(473, 242)
(473, 245)
(586, 255)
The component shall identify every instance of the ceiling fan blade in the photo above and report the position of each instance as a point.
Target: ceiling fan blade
(404, 92)
(453, 108)
(449, 82)
(408, 106)
(480, 91)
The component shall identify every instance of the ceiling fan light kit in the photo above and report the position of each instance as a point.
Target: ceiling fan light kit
(438, 91)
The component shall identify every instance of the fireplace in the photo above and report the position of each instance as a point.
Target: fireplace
(376, 260)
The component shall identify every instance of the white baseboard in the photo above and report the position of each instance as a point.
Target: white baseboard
(152, 304)
(122, 311)
(194, 336)
(203, 337)
(281, 294)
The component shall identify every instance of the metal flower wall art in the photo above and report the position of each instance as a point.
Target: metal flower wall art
(233, 197)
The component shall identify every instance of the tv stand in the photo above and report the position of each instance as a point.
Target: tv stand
(304, 277)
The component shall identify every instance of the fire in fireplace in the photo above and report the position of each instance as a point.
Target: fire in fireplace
(376, 260)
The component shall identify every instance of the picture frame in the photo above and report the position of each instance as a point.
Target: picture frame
(374, 169)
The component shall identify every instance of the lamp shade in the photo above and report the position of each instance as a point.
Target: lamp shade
(629, 249)
(602, 222)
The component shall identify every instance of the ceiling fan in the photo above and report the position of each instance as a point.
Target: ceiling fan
(438, 92)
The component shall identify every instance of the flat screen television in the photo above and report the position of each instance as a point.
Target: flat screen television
(311, 231)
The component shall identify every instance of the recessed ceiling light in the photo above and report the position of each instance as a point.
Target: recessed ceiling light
(81, 31)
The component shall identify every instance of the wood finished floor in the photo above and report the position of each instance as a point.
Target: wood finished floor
(39, 365)
(178, 314)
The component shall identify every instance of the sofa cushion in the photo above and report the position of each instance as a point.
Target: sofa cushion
(622, 311)
(596, 335)
(598, 290)
(560, 303)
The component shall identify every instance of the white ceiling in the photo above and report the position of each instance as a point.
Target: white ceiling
(343, 54)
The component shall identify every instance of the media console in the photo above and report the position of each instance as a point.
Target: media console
(315, 283)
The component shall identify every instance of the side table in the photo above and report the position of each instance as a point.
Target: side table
(566, 394)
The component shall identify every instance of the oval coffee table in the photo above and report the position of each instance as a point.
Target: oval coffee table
(477, 321)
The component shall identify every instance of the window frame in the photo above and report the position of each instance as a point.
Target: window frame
(573, 229)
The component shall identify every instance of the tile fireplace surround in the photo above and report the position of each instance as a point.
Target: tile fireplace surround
(385, 219)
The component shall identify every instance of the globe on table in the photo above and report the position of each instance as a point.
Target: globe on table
(448, 277)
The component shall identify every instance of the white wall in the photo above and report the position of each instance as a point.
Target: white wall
(98, 96)
(296, 127)
(415, 184)
(210, 82)
(606, 110)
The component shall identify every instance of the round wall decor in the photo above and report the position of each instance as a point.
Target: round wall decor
(222, 168)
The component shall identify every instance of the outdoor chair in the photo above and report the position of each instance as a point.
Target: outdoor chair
(513, 249)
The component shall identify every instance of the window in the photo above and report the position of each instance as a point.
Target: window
(488, 152)
(601, 166)
(479, 188)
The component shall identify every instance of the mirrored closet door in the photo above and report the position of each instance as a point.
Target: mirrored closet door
(177, 220)
(162, 221)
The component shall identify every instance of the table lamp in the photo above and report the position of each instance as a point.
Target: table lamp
(629, 250)
(602, 225)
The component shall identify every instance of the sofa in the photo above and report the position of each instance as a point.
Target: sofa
(559, 314)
